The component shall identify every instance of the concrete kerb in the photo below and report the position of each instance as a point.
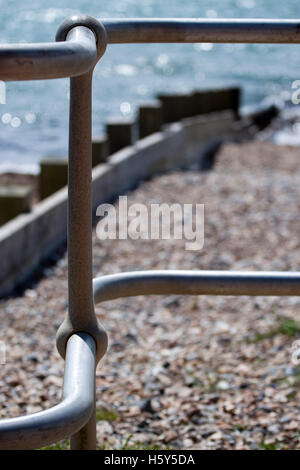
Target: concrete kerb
(29, 238)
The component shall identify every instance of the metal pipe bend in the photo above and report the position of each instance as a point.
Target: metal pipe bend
(196, 283)
(81, 44)
(90, 23)
(70, 415)
(39, 61)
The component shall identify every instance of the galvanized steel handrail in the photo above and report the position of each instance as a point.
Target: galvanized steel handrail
(76, 56)
(160, 282)
(190, 30)
(49, 60)
(81, 340)
(81, 41)
(69, 416)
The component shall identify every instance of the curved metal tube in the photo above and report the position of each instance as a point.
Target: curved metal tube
(196, 283)
(69, 416)
(75, 56)
(158, 30)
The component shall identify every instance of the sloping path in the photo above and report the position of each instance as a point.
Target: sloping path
(185, 372)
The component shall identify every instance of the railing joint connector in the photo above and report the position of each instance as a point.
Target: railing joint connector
(89, 22)
(92, 328)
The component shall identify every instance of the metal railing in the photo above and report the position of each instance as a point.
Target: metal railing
(81, 340)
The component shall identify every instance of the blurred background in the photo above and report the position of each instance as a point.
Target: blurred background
(34, 120)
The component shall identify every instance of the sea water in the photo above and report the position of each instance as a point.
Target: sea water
(34, 119)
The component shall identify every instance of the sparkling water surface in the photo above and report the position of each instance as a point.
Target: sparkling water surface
(34, 120)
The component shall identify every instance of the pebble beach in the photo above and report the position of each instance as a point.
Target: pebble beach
(182, 372)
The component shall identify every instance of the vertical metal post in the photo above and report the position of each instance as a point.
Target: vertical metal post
(81, 314)
(86, 438)
(80, 220)
(79, 201)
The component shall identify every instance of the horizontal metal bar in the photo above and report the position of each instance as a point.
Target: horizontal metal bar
(78, 54)
(75, 56)
(66, 418)
(196, 283)
(158, 30)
